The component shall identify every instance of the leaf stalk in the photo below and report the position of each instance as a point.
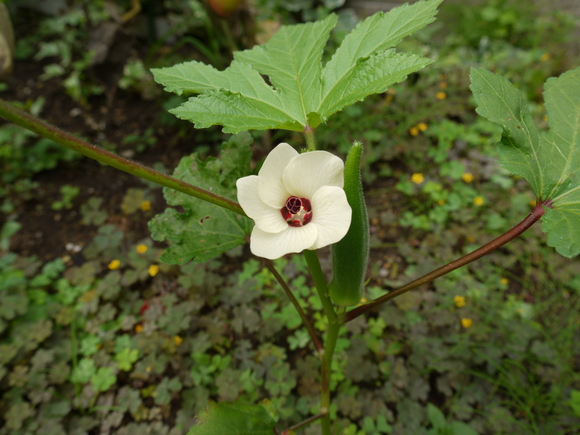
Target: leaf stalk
(49, 131)
(315, 340)
(310, 138)
(531, 219)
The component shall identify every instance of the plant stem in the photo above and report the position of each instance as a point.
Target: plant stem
(228, 35)
(315, 340)
(49, 131)
(74, 352)
(532, 218)
(333, 334)
(303, 423)
(310, 139)
(334, 323)
(320, 283)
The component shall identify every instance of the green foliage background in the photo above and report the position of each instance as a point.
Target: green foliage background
(87, 348)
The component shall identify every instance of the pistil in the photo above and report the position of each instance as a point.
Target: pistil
(297, 212)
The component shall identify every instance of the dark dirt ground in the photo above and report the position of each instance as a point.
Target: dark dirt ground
(45, 232)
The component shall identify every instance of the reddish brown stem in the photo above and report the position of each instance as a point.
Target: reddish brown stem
(300, 425)
(315, 340)
(531, 219)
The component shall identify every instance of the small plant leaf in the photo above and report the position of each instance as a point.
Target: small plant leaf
(436, 417)
(282, 83)
(549, 161)
(204, 230)
(459, 428)
(231, 418)
(103, 379)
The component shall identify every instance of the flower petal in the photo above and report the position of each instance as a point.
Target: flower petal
(308, 172)
(272, 246)
(331, 214)
(271, 188)
(267, 218)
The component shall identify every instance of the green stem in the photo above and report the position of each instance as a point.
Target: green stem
(310, 139)
(531, 219)
(74, 351)
(334, 323)
(320, 283)
(93, 400)
(49, 131)
(228, 35)
(315, 340)
(331, 339)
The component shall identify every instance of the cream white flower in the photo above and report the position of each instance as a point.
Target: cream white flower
(297, 202)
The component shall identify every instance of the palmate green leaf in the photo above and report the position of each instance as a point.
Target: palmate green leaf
(356, 56)
(237, 98)
(562, 222)
(203, 230)
(292, 62)
(371, 75)
(236, 418)
(549, 161)
(298, 91)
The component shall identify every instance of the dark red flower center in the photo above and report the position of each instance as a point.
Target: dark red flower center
(297, 211)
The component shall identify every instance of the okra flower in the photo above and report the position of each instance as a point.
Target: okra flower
(297, 202)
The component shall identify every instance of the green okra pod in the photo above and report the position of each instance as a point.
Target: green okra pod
(350, 255)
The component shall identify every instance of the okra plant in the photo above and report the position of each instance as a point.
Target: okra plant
(300, 200)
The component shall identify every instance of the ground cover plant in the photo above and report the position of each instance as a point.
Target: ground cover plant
(126, 343)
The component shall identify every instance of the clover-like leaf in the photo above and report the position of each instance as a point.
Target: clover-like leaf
(204, 230)
(299, 92)
(126, 358)
(103, 379)
(549, 161)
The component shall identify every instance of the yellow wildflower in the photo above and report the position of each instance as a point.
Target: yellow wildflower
(413, 131)
(141, 249)
(138, 328)
(145, 205)
(440, 202)
(470, 239)
(466, 322)
(153, 270)
(114, 265)
(459, 301)
(417, 178)
(467, 177)
(422, 126)
(178, 340)
(440, 95)
(478, 201)
(504, 281)
(362, 301)
(545, 57)
(147, 369)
